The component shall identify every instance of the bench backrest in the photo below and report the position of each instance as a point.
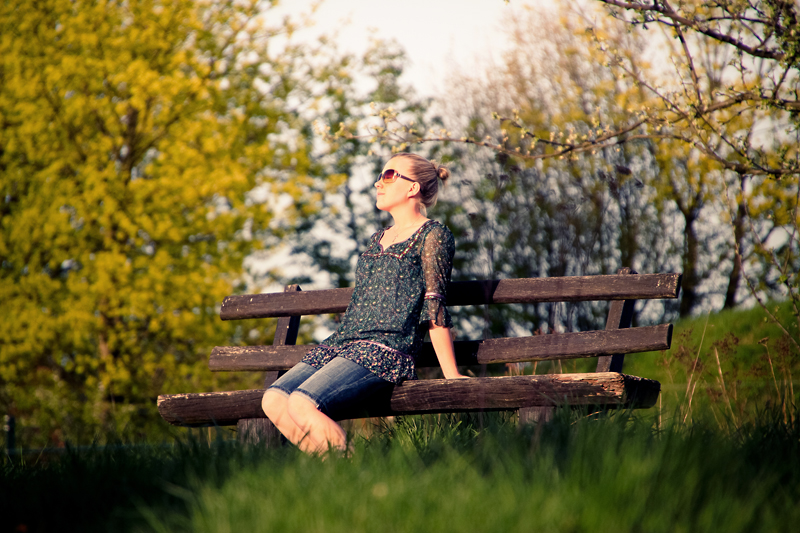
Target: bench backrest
(611, 344)
(503, 291)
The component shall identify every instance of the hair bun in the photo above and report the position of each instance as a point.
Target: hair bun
(441, 172)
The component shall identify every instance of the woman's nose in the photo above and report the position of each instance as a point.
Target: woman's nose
(378, 183)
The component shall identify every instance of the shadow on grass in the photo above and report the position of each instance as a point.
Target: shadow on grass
(610, 471)
(104, 488)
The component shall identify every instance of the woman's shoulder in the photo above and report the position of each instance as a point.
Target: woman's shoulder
(438, 228)
(437, 231)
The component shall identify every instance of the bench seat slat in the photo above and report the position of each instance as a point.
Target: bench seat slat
(523, 290)
(507, 350)
(609, 389)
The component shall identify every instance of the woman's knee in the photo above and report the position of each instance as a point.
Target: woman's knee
(299, 407)
(273, 404)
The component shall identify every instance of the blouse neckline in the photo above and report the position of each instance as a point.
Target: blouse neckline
(410, 237)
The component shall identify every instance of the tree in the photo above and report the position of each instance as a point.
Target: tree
(737, 75)
(589, 214)
(760, 42)
(737, 102)
(622, 197)
(696, 101)
(332, 236)
(141, 143)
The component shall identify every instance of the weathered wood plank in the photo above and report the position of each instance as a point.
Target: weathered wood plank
(211, 408)
(506, 350)
(609, 389)
(524, 290)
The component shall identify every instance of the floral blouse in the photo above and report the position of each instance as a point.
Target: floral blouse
(398, 292)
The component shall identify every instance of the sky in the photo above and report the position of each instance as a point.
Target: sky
(436, 34)
(438, 37)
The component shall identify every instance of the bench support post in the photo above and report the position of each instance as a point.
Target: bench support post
(530, 415)
(620, 316)
(261, 431)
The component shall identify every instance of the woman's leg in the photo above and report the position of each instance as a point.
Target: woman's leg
(320, 432)
(337, 385)
(276, 398)
(297, 417)
(275, 404)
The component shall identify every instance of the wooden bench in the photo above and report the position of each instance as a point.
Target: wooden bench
(534, 396)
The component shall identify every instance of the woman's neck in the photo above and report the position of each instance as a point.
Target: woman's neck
(407, 217)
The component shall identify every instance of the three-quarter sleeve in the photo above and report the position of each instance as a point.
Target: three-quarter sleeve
(437, 254)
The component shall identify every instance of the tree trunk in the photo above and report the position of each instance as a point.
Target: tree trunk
(738, 235)
(689, 285)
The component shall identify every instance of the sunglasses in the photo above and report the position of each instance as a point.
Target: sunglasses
(391, 175)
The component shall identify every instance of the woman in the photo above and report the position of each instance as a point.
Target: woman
(401, 282)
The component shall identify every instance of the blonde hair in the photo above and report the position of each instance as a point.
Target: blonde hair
(427, 174)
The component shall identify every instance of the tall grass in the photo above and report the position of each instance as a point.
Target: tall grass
(615, 474)
(612, 472)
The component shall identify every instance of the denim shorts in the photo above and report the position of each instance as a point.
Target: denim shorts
(336, 389)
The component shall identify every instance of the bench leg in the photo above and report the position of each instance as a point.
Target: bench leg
(258, 431)
(261, 431)
(530, 415)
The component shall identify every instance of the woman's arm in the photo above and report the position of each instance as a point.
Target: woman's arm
(437, 262)
(443, 346)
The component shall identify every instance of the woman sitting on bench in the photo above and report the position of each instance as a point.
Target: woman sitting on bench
(401, 282)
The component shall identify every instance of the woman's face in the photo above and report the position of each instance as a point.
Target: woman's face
(398, 192)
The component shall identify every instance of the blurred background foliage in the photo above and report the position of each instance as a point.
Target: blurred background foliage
(158, 156)
(142, 144)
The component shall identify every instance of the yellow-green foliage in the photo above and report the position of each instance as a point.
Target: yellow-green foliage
(131, 134)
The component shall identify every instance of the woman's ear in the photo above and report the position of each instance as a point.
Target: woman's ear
(414, 190)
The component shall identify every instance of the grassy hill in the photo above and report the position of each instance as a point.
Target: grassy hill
(726, 365)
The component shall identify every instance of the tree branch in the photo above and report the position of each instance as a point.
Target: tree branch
(677, 19)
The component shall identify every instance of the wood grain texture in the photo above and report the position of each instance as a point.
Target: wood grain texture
(506, 350)
(524, 290)
(609, 389)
